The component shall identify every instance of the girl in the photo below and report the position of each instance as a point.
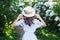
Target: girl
(30, 21)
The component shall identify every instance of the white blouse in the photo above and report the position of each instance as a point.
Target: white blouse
(32, 28)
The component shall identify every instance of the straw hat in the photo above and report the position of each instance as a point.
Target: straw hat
(28, 11)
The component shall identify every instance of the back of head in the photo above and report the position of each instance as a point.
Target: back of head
(28, 20)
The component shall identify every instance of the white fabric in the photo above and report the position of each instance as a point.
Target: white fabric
(29, 31)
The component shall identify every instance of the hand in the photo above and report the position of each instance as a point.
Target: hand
(19, 17)
(37, 16)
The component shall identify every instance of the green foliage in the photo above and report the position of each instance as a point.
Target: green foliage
(6, 16)
(57, 9)
(10, 33)
(2, 23)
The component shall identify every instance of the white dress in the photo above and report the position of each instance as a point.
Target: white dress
(29, 31)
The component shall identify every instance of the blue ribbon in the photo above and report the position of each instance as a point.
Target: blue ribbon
(25, 12)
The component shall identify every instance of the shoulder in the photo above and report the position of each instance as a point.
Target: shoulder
(37, 23)
(36, 20)
(21, 20)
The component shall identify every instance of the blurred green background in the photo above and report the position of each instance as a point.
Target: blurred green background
(48, 9)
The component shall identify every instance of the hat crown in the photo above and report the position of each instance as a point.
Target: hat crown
(29, 9)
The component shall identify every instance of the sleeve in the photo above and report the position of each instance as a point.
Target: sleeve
(39, 23)
(19, 23)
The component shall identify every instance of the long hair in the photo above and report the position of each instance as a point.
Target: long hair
(28, 20)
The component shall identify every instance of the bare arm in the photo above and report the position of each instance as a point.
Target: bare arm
(18, 18)
(39, 17)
